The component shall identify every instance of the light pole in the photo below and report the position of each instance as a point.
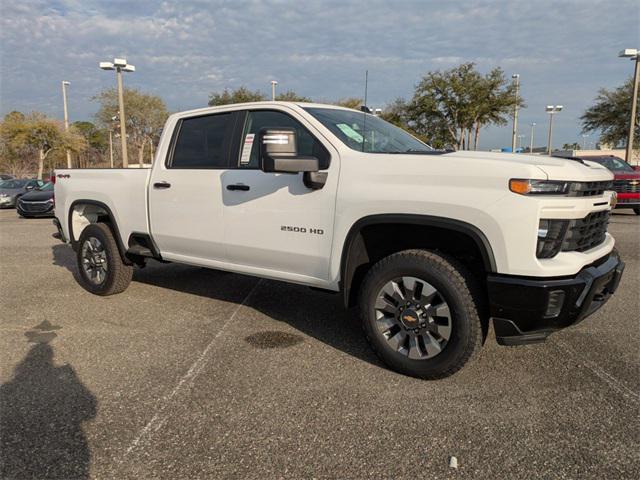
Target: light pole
(66, 116)
(111, 147)
(520, 137)
(584, 141)
(120, 65)
(273, 89)
(633, 54)
(533, 126)
(551, 110)
(516, 78)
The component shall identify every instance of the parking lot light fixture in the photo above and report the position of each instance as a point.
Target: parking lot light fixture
(65, 84)
(633, 54)
(120, 65)
(533, 126)
(551, 110)
(516, 79)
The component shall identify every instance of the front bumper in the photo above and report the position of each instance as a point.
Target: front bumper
(7, 202)
(628, 200)
(35, 209)
(521, 308)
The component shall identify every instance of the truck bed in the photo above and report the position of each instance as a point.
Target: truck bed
(122, 191)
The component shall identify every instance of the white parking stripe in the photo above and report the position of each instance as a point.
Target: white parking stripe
(161, 415)
(612, 381)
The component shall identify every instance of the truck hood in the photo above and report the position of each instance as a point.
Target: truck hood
(554, 167)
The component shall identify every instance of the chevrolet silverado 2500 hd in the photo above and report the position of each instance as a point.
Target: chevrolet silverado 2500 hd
(429, 244)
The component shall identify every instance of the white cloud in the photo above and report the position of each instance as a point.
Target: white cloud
(564, 50)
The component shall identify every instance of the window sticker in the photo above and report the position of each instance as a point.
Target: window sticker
(246, 149)
(350, 132)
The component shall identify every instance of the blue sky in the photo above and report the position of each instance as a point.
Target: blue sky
(183, 50)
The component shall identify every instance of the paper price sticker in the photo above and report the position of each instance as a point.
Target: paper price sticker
(246, 149)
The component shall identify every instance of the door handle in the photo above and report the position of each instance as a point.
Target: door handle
(162, 185)
(244, 188)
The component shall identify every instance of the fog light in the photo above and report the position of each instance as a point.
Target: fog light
(551, 234)
(556, 300)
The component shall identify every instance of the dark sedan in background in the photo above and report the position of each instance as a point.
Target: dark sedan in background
(38, 202)
(11, 190)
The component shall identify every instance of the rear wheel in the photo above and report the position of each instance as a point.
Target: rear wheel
(636, 210)
(100, 266)
(421, 313)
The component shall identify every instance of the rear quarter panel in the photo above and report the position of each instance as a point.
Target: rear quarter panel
(123, 191)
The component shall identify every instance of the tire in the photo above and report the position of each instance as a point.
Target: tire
(442, 330)
(98, 247)
(636, 210)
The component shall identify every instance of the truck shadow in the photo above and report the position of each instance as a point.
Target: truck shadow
(42, 409)
(317, 314)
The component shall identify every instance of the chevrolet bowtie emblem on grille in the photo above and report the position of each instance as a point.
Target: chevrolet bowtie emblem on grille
(633, 182)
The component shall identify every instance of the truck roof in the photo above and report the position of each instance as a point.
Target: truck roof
(268, 103)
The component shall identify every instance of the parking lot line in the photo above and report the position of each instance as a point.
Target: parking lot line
(609, 379)
(160, 417)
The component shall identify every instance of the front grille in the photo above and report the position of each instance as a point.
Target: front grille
(626, 186)
(35, 207)
(589, 189)
(586, 233)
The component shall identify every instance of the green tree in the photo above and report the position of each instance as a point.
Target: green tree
(97, 143)
(145, 117)
(240, 95)
(38, 133)
(291, 96)
(610, 116)
(349, 102)
(449, 107)
(571, 146)
(96, 138)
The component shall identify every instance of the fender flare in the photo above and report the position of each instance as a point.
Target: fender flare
(348, 267)
(112, 221)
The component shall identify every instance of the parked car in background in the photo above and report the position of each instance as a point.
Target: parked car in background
(626, 182)
(6, 176)
(11, 190)
(36, 203)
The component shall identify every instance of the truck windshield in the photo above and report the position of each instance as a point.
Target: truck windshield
(367, 133)
(613, 163)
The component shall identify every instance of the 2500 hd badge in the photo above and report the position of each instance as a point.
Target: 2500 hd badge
(288, 228)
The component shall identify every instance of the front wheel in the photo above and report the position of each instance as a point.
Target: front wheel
(636, 210)
(100, 265)
(421, 313)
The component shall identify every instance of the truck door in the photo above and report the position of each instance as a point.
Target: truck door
(185, 192)
(273, 222)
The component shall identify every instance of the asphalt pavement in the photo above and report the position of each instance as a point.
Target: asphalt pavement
(193, 373)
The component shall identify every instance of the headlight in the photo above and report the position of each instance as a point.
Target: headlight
(551, 234)
(538, 187)
(4, 195)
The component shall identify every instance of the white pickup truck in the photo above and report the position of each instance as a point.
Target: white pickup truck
(429, 244)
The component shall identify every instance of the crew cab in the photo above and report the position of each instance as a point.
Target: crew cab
(429, 245)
